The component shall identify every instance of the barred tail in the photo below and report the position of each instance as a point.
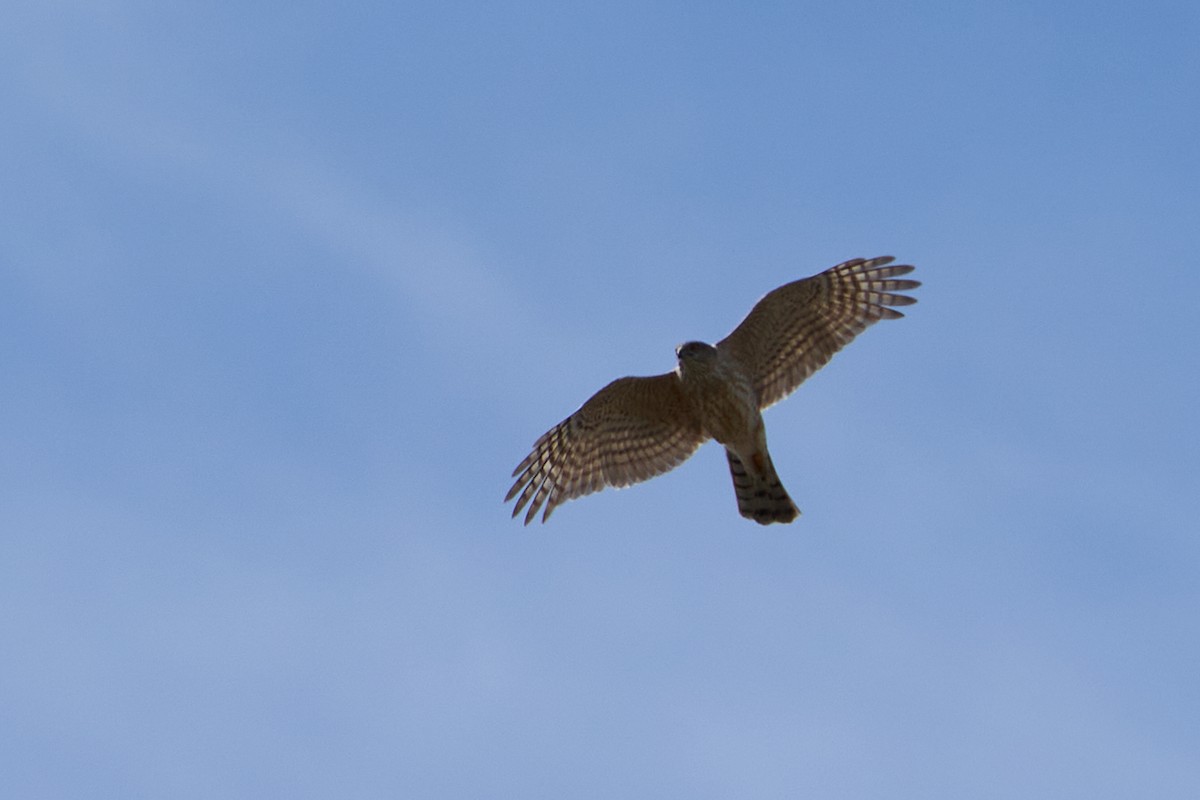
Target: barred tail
(760, 495)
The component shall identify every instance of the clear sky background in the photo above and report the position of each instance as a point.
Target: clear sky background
(287, 289)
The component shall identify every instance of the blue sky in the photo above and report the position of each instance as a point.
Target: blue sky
(286, 290)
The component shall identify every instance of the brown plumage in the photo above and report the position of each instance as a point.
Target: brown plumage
(636, 428)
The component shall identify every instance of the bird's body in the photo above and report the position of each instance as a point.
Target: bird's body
(719, 391)
(722, 397)
(636, 428)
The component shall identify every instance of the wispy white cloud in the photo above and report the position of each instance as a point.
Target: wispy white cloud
(442, 275)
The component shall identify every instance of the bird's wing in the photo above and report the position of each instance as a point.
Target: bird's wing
(795, 329)
(629, 431)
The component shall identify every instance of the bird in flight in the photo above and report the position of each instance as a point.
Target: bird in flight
(636, 428)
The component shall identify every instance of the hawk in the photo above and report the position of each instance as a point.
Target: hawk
(636, 428)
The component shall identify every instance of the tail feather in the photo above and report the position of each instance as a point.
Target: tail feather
(760, 495)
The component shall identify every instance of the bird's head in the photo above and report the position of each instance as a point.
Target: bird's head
(693, 354)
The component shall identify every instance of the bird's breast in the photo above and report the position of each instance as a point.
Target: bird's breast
(724, 401)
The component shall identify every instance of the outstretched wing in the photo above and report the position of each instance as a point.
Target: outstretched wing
(629, 431)
(796, 329)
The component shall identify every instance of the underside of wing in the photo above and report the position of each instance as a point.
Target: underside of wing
(629, 431)
(795, 329)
